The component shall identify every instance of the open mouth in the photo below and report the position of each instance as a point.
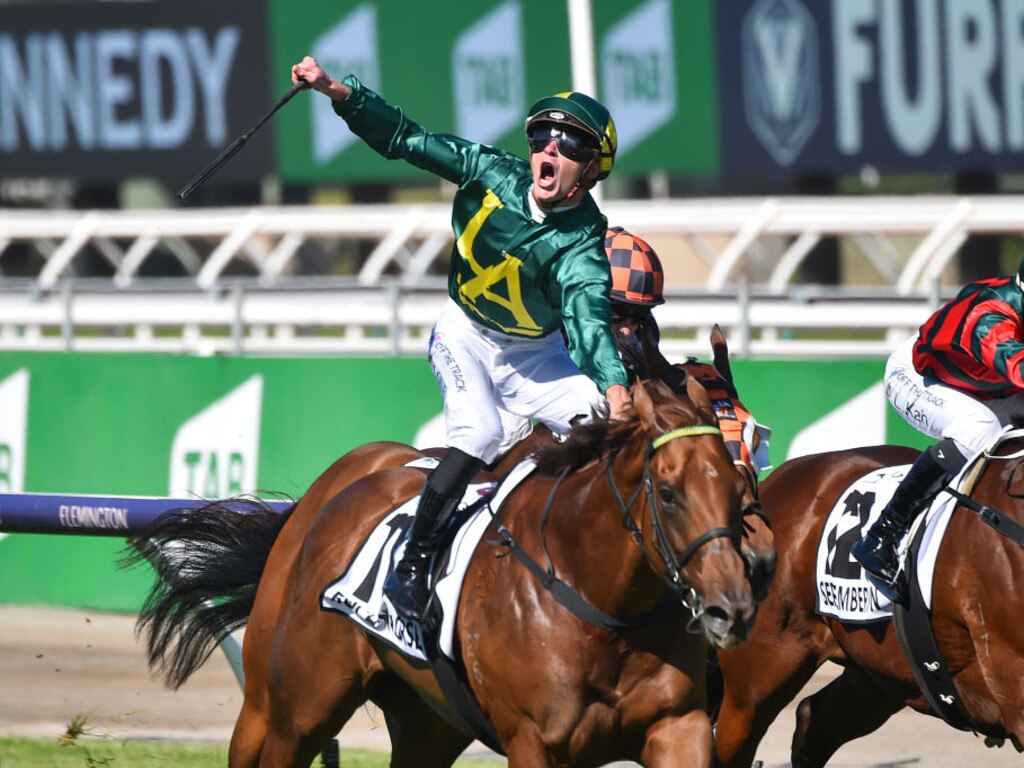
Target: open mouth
(547, 171)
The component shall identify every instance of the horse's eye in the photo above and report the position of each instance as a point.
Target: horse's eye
(667, 494)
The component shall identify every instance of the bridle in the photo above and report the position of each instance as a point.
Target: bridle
(672, 561)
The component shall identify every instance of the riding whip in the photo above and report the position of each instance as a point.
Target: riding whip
(214, 165)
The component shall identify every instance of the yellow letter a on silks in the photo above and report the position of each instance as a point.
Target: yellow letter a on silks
(485, 279)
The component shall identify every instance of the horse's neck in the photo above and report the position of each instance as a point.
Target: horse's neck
(605, 563)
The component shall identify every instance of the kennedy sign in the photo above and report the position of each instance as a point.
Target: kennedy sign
(824, 87)
(101, 91)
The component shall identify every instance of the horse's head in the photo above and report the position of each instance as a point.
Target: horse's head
(693, 515)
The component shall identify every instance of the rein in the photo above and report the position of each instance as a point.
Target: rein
(571, 599)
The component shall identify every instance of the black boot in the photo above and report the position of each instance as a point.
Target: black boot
(878, 551)
(407, 586)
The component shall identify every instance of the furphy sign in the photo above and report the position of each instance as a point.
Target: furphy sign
(811, 87)
(781, 91)
(104, 91)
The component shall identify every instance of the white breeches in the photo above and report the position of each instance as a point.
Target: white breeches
(494, 384)
(938, 410)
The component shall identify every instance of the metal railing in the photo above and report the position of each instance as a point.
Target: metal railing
(266, 280)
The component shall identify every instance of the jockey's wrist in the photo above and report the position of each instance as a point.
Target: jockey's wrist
(618, 399)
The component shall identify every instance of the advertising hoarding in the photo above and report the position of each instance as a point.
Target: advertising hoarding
(833, 87)
(104, 91)
(474, 70)
(135, 424)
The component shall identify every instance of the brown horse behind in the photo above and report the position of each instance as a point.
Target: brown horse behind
(557, 690)
(975, 620)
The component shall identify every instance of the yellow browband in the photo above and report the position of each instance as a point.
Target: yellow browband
(684, 432)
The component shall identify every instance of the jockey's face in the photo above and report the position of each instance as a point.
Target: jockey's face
(628, 318)
(558, 163)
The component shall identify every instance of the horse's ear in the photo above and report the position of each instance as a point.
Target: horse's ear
(643, 404)
(698, 395)
(720, 350)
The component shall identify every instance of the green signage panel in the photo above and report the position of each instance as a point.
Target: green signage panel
(474, 70)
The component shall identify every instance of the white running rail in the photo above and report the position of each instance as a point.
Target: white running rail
(368, 279)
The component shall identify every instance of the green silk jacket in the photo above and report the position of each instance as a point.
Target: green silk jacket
(508, 272)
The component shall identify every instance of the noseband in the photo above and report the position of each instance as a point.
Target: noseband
(674, 563)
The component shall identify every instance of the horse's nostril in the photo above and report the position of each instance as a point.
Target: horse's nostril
(717, 617)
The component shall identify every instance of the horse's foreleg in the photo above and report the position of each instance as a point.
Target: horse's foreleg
(683, 741)
(527, 749)
(759, 681)
(850, 706)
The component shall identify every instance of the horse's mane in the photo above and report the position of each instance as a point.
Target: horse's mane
(602, 437)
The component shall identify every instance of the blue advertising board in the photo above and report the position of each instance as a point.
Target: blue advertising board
(832, 87)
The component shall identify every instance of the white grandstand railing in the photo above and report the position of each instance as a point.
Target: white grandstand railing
(248, 290)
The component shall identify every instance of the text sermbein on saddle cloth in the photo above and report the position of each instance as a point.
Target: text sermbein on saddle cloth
(841, 589)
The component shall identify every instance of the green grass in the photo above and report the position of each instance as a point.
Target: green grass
(76, 750)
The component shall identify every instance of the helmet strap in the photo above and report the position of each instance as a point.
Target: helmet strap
(579, 181)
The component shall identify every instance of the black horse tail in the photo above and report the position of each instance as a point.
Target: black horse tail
(209, 561)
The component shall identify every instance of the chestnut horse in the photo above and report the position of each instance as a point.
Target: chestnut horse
(253, 720)
(975, 620)
(555, 689)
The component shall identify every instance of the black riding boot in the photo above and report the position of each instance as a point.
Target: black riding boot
(408, 586)
(878, 551)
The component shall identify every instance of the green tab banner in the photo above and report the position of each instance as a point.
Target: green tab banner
(474, 69)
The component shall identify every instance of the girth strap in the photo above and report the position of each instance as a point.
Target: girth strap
(912, 621)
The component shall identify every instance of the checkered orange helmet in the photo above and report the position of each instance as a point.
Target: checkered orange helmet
(637, 276)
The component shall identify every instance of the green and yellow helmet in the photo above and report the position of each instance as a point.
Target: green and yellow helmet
(583, 112)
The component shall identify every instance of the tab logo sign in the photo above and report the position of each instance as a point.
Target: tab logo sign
(488, 77)
(216, 452)
(638, 82)
(350, 46)
(781, 88)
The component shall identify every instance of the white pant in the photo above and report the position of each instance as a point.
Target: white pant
(938, 410)
(493, 384)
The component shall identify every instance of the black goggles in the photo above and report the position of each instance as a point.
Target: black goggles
(634, 312)
(574, 145)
